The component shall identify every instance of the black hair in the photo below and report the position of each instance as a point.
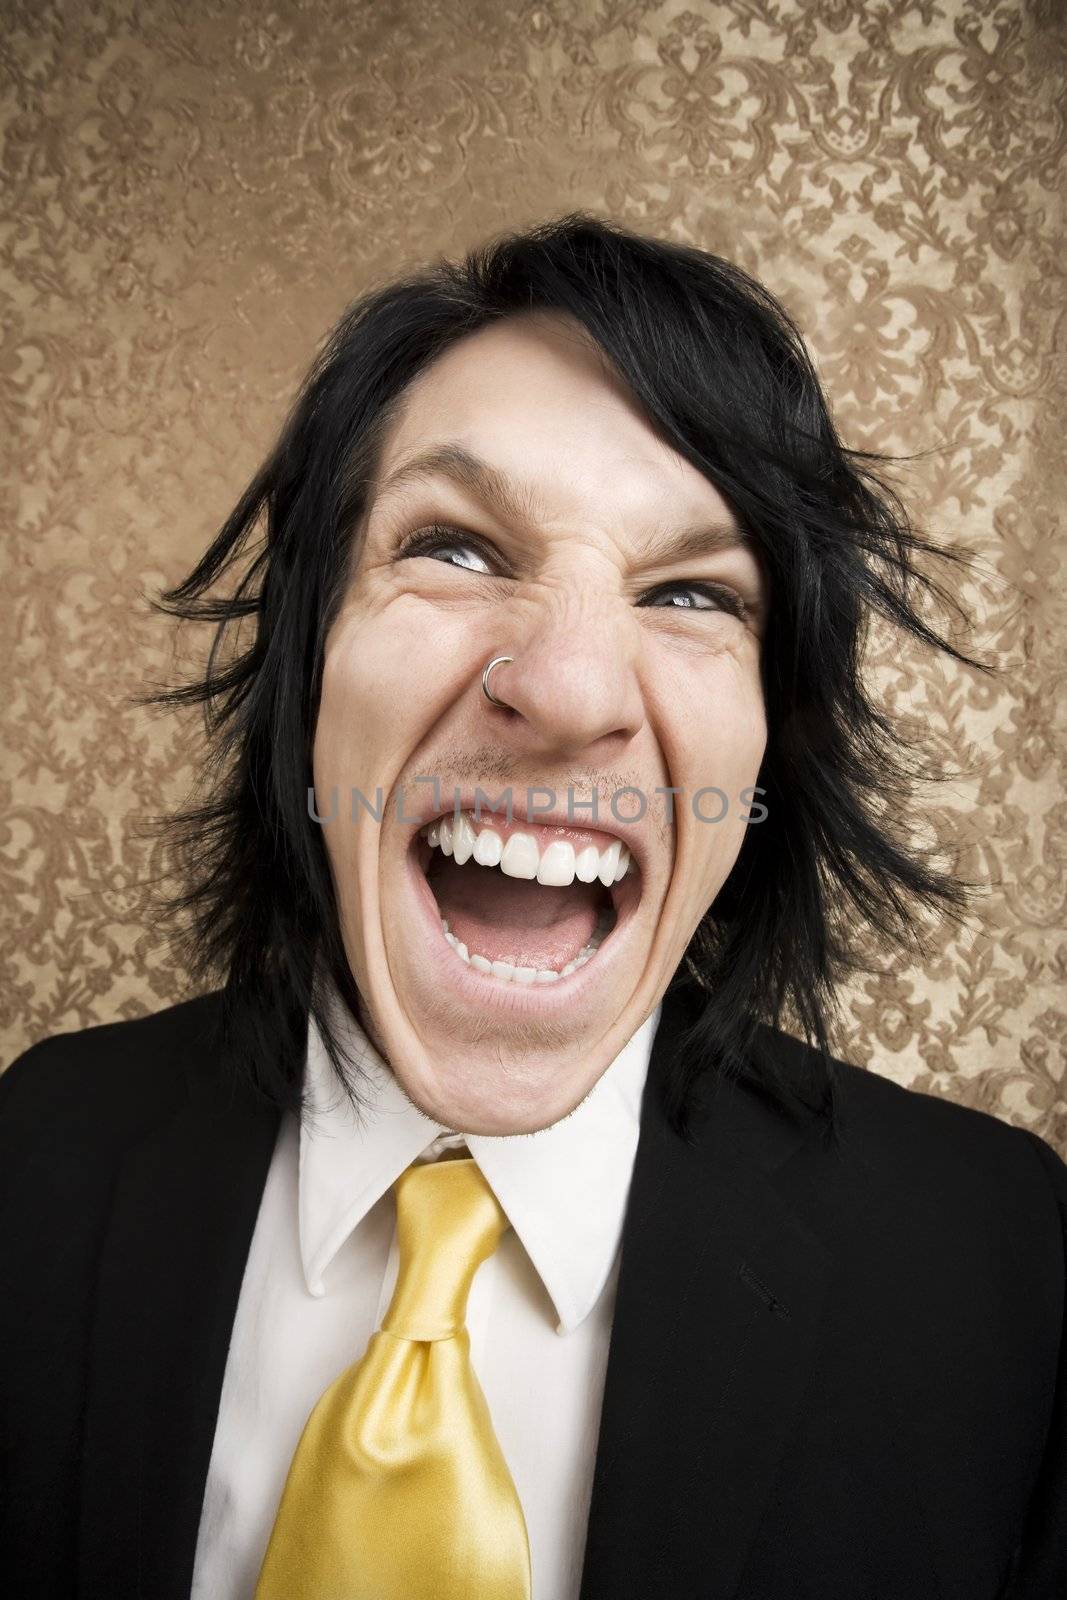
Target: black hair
(723, 376)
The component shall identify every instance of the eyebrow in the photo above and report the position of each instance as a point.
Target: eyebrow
(514, 503)
(702, 539)
(497, 492)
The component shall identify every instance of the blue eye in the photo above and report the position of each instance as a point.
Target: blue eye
(695, 597)
(456, 554)
(450, 548)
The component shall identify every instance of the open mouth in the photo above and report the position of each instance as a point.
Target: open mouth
(524, 903)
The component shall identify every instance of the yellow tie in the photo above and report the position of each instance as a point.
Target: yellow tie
(398, 1489)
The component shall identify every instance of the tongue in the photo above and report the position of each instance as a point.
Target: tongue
(514, 919)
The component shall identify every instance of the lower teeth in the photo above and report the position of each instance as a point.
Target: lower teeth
(507, 972)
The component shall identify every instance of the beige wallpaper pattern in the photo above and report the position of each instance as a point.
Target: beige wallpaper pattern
(193, 189)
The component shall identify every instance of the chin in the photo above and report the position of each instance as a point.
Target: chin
(500, 1100)
(515, 962)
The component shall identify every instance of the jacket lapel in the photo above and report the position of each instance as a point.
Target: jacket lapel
(720, 1294)
(184, 1208)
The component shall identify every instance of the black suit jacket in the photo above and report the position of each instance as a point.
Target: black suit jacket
(834, 1374)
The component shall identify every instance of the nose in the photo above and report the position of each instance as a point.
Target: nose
(572, 685)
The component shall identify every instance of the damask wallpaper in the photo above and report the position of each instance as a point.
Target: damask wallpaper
(193, 189)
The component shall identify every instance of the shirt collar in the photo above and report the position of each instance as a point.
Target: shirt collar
(564, 1188)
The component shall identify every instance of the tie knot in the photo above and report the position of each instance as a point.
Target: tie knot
(448, 1222)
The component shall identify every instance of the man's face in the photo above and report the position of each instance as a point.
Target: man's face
(524, 508)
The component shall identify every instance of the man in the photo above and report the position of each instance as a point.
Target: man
(483, 1235)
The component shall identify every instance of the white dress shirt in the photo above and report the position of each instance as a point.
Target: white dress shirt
(321, 1270)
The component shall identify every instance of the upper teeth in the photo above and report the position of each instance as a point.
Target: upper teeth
(556, 864)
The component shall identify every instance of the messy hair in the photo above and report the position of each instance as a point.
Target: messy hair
(722, 374)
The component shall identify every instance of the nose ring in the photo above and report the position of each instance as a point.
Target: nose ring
(497, 661)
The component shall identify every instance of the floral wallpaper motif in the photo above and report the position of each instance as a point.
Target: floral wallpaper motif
(193, 192)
